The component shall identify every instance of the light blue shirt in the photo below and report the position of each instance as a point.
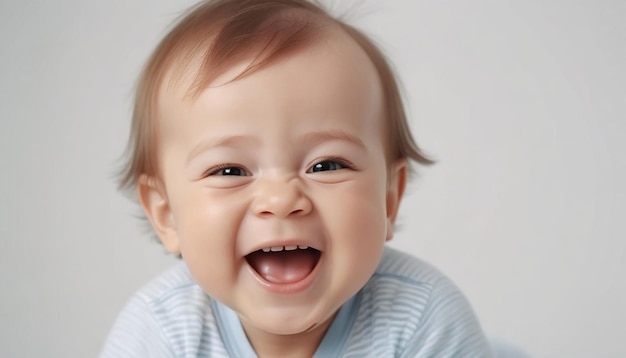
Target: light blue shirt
(406, 309)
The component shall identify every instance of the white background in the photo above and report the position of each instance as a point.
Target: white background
(523, 104)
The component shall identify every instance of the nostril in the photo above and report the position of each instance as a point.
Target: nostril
(270, 213)
(297, 211)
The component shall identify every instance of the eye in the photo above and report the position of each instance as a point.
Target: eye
(227, 170)
(328, 165)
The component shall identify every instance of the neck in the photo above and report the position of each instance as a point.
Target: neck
(300, 345)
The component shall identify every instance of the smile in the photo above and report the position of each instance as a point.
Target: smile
(284, 265)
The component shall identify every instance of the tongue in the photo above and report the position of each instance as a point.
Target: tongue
(284, 266)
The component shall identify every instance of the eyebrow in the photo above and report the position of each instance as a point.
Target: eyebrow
(219, 142)
(308, 139)
(323, 136)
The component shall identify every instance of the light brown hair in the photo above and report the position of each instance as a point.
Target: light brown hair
(219, 33)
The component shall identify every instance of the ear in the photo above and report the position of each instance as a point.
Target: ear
(396, 184)
(153, 199)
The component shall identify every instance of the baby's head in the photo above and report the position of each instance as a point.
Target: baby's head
(269, 149)
(214, 36)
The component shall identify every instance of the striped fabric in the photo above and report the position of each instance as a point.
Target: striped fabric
(407, 309)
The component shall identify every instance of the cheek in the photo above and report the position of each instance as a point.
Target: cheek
(207, 216)
(358, 216)
(207, 228)
(356, 228)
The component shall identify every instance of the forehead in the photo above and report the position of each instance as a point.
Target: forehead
(331, 73)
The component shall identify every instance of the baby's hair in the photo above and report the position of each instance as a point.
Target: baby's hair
(215, 35)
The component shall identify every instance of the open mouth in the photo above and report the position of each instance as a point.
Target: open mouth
(284, 264)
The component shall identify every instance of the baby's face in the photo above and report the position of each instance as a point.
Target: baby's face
(276, 188)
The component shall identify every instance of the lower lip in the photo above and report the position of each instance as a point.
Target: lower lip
(288, 288)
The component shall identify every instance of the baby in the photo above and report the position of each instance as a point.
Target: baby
(270, 150)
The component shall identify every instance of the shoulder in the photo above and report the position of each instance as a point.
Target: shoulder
(402, 280)
(170, 316)
(407, 269)
(403, 289)
(172, 287)
(412, 310)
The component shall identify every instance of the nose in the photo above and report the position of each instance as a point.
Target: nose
(281, 197)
